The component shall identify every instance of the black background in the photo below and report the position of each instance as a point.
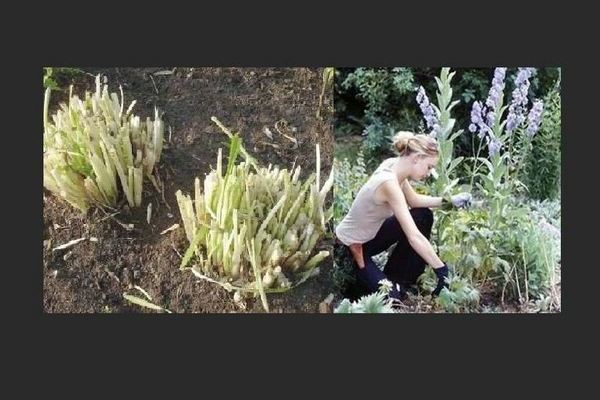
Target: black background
(255, 355)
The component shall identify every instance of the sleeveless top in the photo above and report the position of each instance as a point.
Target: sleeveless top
(366, 216)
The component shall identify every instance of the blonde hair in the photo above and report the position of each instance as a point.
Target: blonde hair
(406, 143)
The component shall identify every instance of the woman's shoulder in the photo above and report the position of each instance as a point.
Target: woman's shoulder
(386, 165)
(383, 173)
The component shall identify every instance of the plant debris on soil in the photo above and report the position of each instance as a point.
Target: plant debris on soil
(124, 252)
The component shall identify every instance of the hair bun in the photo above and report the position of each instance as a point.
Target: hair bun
(401, 140)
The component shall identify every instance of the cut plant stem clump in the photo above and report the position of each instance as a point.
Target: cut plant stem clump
(93, 146)
(254, 229)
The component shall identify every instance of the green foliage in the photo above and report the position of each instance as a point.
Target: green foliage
(349, 178)
(446, 134)
(544, 81)
(539, 261)
(381, 90)
(378, 138)
(344, 274)
(379, 86)
(49, 81)
(514, 253)
(52, 76)
(403, 80)
(546, 210)
(374, 303)
(473, 85)
(460, 296)
(356, 102)
(373, 87)
(541, 173)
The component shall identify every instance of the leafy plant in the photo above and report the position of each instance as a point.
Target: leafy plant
(507, 136)
(374, 87)
(541, 172)
(548, 211)
(52, 75)
(378, 135)
(539, 258)
(374, 303)
(349, 178)
(92, 145)
(381, 89)
(514, 254)
(460, 296)
(475, 84)
(344, 271)
(49, 81)
(439, 120)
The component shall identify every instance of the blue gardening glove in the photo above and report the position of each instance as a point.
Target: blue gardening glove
(461, 200)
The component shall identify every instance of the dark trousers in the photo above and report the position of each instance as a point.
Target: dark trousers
(404, 265)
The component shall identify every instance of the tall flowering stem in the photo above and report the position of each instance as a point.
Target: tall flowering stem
(507, 139)
(438, 119)
(522, 124)
(534, 119)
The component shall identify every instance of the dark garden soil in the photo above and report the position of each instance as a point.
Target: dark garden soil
(92, 276)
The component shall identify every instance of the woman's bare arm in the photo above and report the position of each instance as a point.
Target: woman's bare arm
(416, 200)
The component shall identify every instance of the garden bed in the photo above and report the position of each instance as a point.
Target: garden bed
(93, 275)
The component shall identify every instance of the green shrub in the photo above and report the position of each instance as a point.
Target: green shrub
(460, 296)
(517, 256)
(374, 303)
(52, 75)
(382, 90)
(541, 173)
(377, 87)
(349, 178)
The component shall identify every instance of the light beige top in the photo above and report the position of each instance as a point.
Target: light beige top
(366, 215)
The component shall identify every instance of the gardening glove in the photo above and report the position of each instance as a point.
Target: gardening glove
(442, 274)
(461, 200)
